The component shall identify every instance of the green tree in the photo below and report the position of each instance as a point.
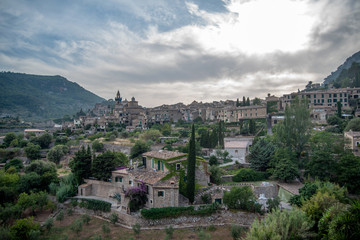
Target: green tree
(9, 137)
(97, 146)
(348, 172)
(281, 225)
(56, 153)
(334, 120)
(103, 164)
(22, 229)
(215, 174)
(354, 125)
(257, 101)
(252, 126)
(151, 134)
(77, 226)
(221, 134)
(241, 198)
(213, 160)
(283, 164)
(139, 148)
(190, 185)
(338, 113)
(346, 224)
(81, 165)
(32, 151)
(248, 101)
(17, 163)
(43, 141)
(294, 131)
(260, 154)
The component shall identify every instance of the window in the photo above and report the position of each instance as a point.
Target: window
(340, 94)
(314, 95)
(130, 182)
(344, 94)
(322, 95)
(161, 193)
(334, 100)
(314, 100)
(335, 95)
(345, 99)
(118, 179)
(329, 95)
(178, 166)
(322, 100)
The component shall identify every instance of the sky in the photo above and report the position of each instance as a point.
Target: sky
(169, 51)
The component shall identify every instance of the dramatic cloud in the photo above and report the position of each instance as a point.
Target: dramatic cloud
(180, 51)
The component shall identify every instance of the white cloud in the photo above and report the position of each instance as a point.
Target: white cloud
(255, 47)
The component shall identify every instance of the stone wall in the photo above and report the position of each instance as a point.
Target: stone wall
(221, 217)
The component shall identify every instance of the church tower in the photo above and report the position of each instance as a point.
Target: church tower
(118, 99)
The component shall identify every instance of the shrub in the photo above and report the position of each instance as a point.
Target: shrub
(95, 205)
(105, 228)
(203, 235)
(60, 216)
(23, 228)
(5, 233)
(206, 198)
(86, 219)
(236, 231)
(69, 211)
(49, 223)
(76, 226)
(242, 198)
(247, 175)
(281, 225)
(114, 218)
(273, 203)
(136, 228)
(169, 230)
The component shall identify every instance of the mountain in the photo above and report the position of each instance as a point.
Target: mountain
(345, 66)
(42, 97)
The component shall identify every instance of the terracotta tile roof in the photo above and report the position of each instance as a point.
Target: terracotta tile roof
(163, 154)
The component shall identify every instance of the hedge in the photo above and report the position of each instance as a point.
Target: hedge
(95, 204)
(167, 212)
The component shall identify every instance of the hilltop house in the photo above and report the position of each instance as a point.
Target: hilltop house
(159, 173)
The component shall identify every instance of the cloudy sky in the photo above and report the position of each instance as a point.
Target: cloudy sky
(169, 51)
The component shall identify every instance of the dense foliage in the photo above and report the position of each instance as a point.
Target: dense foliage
(94, 204)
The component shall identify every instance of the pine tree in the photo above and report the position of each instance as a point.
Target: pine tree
(190, 185)
(260, 154)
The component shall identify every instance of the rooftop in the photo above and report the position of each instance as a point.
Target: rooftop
(236, 144)
(163, 154)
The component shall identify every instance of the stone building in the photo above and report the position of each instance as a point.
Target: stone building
(159, 174)
(354, 141)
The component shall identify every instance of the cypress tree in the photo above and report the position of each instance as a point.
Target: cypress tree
(190, 185)
(221, 135)
(243, 101)
(338, 109)
(248, 101)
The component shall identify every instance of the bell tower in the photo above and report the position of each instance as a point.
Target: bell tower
(118, 99)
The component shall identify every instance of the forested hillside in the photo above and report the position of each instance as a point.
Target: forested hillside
(42, 97)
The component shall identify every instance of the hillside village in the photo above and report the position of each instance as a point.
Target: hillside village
(128, 163)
